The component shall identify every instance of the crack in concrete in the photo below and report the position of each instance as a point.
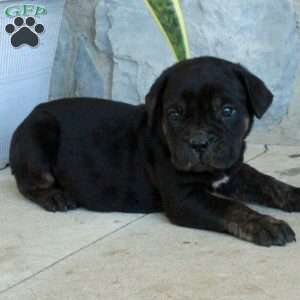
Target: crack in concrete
(266, 149)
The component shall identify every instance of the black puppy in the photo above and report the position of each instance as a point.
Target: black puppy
(182, 153)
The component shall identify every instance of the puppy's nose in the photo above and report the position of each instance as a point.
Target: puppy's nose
(199, 142)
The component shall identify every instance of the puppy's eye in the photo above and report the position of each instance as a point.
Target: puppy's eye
(228, 111)
(175, 115)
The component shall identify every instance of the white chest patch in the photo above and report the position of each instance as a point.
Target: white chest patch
(216, 184)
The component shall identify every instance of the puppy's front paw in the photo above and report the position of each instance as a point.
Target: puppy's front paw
(291, 200)
(57, 201)
(265, 231)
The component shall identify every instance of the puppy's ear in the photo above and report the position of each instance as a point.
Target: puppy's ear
(154, 97)
(260, 97)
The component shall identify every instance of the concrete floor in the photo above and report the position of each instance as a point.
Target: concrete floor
(113, 256)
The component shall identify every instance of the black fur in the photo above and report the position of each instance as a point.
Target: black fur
(165, 155)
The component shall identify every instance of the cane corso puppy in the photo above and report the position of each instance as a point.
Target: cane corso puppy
(181, 153)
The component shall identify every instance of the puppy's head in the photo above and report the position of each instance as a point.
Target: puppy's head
(205, 108)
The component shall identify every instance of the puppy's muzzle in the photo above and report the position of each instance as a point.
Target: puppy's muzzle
(200, 141)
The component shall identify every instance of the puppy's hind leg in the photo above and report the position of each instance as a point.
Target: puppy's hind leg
(33, 153)
(46, 193)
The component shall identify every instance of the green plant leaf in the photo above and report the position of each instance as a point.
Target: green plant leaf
(167, 14)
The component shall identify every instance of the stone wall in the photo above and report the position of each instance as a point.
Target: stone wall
(114, 49)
